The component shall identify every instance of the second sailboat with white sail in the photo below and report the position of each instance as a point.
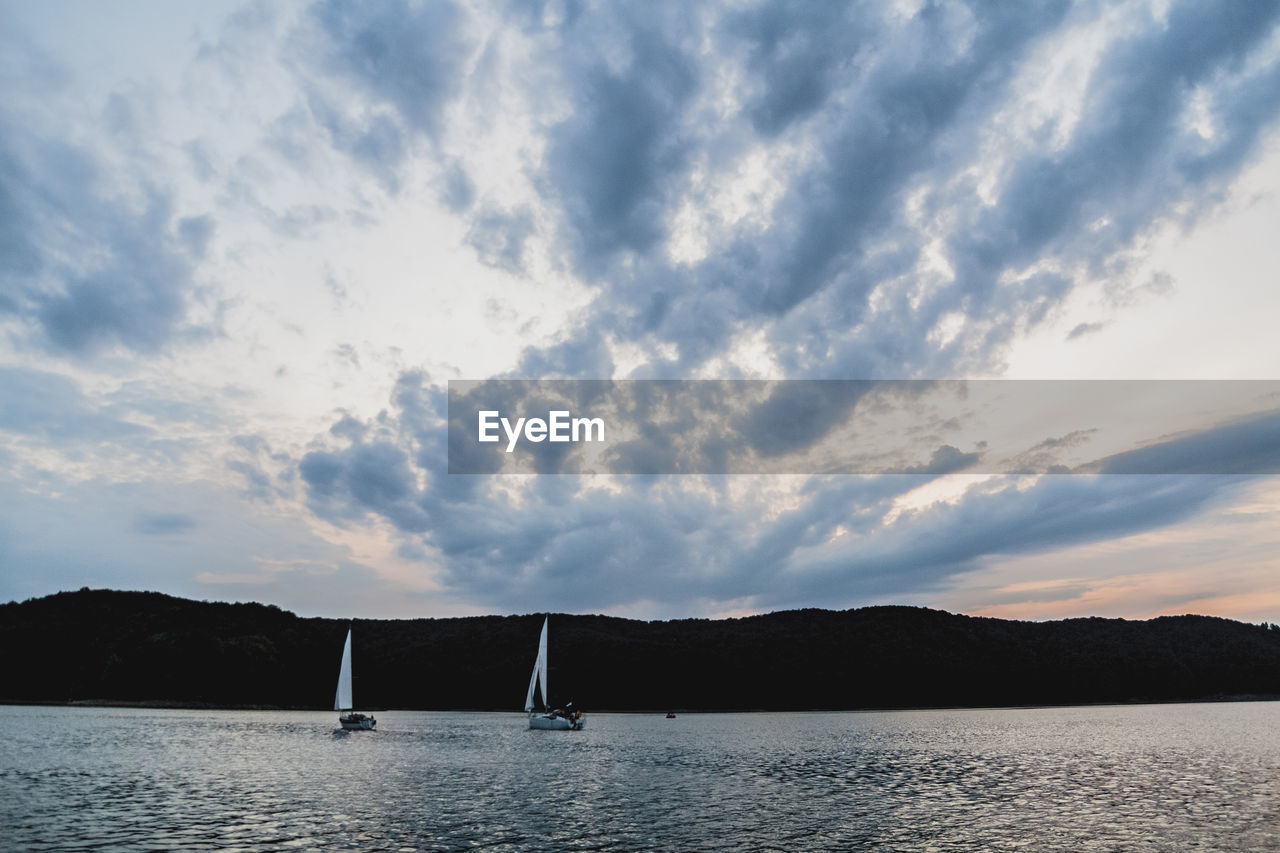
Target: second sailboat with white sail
(559, 719)
(350, 720)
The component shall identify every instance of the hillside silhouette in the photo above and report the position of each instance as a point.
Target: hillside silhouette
(149, 648)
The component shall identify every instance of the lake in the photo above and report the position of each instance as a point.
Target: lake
(1148, 777)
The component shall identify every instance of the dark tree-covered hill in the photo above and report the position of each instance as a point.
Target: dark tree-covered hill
(102, 645)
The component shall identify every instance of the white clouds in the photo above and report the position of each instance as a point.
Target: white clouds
(1207, 316)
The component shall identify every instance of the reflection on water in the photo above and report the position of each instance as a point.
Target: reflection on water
(1155, 777)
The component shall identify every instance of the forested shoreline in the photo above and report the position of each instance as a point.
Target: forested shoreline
(145, 648)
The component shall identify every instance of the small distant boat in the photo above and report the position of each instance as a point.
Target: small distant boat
(671, 715)
(350, 720)
(560, 719)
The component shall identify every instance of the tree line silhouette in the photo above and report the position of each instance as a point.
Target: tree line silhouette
(149, 648)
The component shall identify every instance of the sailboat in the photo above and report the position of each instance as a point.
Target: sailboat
(561, 719)
(351, 720)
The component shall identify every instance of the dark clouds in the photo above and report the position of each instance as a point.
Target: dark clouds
(1246, 446)
(797, 414)
(882, 131)
(796, 52)
(406, 54)
(1133, 157)
(1082, 329)
(377, 470)
(934, 546)
(615, 161)
(876, 105)
(88, 265)
(592, 544)
(888, 110)
(164, 523)
(404, 62)
(375, 477)
(880, 127)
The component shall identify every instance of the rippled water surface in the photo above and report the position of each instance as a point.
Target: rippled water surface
(1162, 777)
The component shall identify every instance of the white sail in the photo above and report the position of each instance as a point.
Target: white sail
(342, 702)
(539, 676)
(542, 661)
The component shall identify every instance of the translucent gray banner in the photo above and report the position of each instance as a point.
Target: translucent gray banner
(923, 427)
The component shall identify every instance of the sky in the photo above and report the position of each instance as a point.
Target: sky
(244, 248)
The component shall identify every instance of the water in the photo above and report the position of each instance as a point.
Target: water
(1156, 777)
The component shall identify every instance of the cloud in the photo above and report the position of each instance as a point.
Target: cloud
(88, 266)
(164, 523)
(613, 163)
(712, 426)
(925, 548)
(1082, 329)
(875, 144)
(763, 189)
(378, 78)
(405, 54)
(945, 460)
(664, 542)
(54, 408)
(373, 477)
(795, 55)
(268, 474)
(1246, 446)
(798, 414)
(457, 191)
(895, 116)
(1132, 157)
(499, 238)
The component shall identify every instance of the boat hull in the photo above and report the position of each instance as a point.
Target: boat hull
(357, 722)
(556, 723)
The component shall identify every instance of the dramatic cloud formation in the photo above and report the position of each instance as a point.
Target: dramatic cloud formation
(244, 248)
